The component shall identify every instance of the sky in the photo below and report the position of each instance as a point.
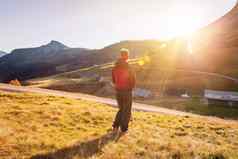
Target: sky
(98, 23)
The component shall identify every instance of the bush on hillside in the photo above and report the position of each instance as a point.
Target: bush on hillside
(15, 82)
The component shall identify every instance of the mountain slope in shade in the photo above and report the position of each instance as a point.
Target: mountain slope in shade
(33, 62)
(217, 44)
(214, 47)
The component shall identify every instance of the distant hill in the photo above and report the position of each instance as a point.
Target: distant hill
(2, 53)
(55, 57)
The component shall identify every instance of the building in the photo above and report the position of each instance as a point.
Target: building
(143, 93)
(221, 97)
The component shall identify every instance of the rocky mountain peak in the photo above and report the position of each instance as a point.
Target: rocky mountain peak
(56, 45)
(2, 53)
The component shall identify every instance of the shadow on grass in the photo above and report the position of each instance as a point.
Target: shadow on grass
(82, 150)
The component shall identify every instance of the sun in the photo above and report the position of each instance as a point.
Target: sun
(183, 20)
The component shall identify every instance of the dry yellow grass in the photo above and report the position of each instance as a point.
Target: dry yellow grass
(39, 126)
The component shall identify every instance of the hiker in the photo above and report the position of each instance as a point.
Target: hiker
(123, 78)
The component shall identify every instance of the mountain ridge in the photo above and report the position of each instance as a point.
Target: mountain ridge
(51, 46)
(42, 61)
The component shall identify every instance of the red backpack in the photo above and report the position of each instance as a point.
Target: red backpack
(123, 77)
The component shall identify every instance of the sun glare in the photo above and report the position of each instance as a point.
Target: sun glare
(183, 20)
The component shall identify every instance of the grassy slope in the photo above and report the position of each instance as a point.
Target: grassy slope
(65, 128)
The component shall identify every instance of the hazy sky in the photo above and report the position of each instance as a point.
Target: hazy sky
(97, 23)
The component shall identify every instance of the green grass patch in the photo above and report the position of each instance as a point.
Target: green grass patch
(195, 105)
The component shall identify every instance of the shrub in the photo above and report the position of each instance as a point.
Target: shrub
(15, 82)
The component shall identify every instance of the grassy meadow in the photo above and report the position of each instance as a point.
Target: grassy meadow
(40, 126)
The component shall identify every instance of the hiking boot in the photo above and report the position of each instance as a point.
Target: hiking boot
(122, 133)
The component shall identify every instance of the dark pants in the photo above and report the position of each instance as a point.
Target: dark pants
(124, 100)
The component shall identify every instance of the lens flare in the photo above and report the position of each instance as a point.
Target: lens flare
(141, 62)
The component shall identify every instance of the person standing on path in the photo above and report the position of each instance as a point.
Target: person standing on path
(124, 80)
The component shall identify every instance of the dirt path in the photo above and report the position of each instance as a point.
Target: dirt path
(111, 102)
